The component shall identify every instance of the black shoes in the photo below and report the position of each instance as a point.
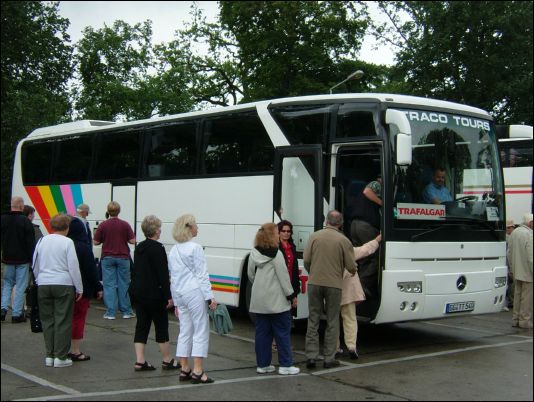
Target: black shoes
(331, 364)
(17, 319)
(353, 354)
(310, 363)
(4, 313)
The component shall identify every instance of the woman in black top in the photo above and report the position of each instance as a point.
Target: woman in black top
(151, 295)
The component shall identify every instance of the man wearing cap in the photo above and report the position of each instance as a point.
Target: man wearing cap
(520, 259)
(81, 213)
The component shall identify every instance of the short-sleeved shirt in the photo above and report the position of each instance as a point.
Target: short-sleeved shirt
(432, 191)
(114, 235)
(376, 187)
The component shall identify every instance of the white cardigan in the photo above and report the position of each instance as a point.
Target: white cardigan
(55, 262)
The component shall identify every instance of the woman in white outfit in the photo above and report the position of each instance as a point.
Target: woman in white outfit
(192, 296)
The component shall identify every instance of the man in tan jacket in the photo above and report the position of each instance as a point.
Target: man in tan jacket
(520, 260)
(327, 254)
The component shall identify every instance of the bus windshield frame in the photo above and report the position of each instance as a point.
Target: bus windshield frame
(464, 150)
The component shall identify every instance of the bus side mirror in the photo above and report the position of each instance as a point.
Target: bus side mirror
(403, 140)
(403, 149)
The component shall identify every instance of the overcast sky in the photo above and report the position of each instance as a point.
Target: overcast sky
(166, 16)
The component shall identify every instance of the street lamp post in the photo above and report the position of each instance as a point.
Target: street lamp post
(356, 75)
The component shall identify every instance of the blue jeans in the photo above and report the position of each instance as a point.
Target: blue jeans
(15, 275)
(116, 280)
(279, 327)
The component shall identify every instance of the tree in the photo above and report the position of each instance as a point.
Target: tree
(473, 52)
(260, 50)
(117, 71)
(293, 48)
(36, 66)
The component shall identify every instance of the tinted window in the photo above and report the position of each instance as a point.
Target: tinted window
(172, 150)
(73, 159)
(517, 153)
(36, 161)
(354, 121)
(117, 155)
(237, 144)
(304, 124)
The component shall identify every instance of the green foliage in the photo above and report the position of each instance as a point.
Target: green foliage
(36, 65)
(473, 52)
(292, 48)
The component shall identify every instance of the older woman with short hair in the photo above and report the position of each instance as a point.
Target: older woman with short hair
(57, 272)
(192, 295)
(151, 295)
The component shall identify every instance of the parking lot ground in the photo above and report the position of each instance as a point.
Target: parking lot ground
(461, 358)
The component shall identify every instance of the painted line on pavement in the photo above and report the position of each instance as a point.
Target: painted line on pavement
(39, 380)
(346, 366)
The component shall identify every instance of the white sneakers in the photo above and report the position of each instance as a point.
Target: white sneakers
(267, 369)
(127, 316)
(49, 361)
(109, 317)
(62, 362)
(292, 370)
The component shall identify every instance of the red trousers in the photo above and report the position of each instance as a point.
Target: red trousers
(79, 316)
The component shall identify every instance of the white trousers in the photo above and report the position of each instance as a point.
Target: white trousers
(193, 340)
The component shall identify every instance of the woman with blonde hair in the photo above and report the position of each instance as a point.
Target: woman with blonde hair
(271, 299)
(192, 296)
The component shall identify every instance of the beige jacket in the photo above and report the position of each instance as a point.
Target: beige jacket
(328, 253)
(520, 253)
(352, 291)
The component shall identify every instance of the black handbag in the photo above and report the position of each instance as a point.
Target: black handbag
(32, 301)
(31, 293)
(35, 320)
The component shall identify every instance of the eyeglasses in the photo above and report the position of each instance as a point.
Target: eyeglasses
(285, 231)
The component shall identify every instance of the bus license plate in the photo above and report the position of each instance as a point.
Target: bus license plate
(460, 307)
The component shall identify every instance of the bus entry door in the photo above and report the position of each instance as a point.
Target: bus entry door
(298, 190)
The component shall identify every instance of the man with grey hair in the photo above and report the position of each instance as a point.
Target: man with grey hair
(520, 258)
(81, 213)
(326, 256)
(18, 242)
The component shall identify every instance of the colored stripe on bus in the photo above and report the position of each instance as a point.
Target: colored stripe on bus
(224, 279)
(37, 201)
(226, 284)
(68, 199)
(51, 200)
(225, 289)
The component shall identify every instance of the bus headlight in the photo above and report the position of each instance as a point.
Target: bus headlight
(500, 281)
(410, 287)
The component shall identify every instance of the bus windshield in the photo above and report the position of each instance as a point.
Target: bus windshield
(454, 176)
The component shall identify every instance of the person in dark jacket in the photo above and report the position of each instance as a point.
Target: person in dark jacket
(150, 294)
(91, 287)
(18, 243)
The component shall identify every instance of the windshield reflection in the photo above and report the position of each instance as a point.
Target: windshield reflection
(455, 172)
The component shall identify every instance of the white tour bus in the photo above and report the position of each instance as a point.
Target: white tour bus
(297, 158)
(515, 145)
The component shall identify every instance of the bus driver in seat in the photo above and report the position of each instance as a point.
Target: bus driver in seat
(436, 192)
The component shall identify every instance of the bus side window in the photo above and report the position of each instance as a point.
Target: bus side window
(237, 143)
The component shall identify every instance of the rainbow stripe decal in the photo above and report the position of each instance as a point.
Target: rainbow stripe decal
(51, 200)
(224, 283)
